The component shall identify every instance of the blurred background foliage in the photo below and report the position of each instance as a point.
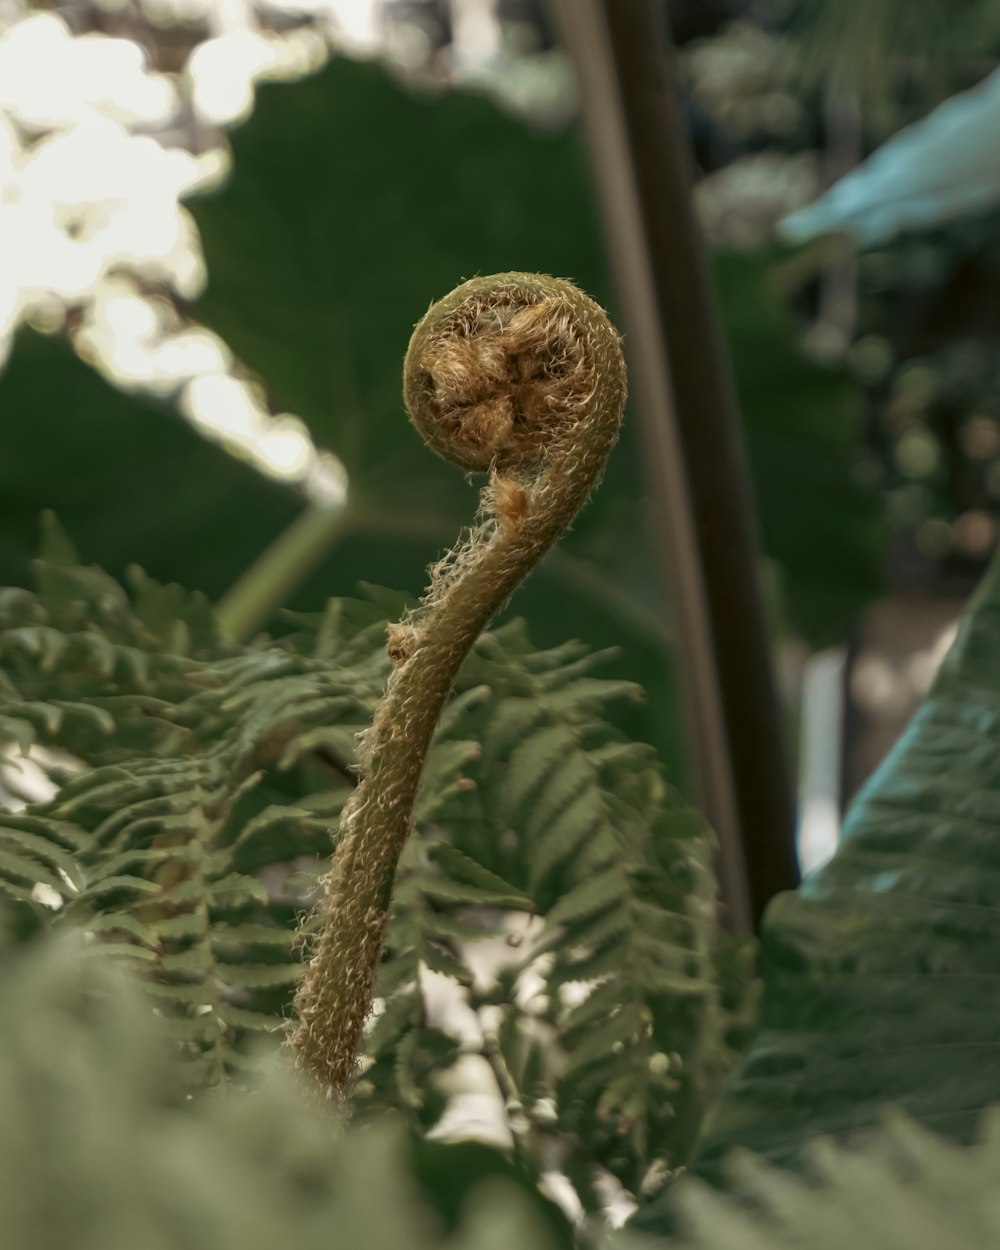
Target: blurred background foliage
(125, 475)
(361, 191)
(354, 200)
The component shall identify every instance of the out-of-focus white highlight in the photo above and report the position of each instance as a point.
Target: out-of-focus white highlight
(48, 78)
(325, 483)
(46, 895)
(476, 37)
(223, 404)
(820, 758)
(133, 339)
(222, 71)
(357, 24)
(23, 776)
(91, 214)
(80, 195)
(99, 192)
(232, 412)
(285, 447)
(475, 1110)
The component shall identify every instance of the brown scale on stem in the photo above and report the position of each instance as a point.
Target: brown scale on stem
(401, 642)
(511, 503)
(520, 376)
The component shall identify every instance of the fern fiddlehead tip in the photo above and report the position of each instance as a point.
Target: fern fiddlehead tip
(502, 368)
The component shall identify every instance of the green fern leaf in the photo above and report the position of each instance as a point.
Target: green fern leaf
(605, 889)
(532, 761)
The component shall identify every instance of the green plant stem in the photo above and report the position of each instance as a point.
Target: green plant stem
(266, 585)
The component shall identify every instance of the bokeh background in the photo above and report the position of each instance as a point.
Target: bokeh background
(220, 219)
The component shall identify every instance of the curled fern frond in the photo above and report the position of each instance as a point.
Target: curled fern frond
(521, 375)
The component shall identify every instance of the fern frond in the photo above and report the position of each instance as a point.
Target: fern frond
(555, 883)
(152, 842)
(584, 825)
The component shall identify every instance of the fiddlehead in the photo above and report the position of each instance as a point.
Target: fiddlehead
(517, 375)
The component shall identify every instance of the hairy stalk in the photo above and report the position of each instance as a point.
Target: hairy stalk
(521, 376)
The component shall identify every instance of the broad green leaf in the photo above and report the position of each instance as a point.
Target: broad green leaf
(130, 480)
(880, 970)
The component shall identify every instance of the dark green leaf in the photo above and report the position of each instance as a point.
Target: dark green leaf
(880, 971)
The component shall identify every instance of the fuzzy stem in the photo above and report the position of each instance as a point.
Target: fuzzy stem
(522, 375)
